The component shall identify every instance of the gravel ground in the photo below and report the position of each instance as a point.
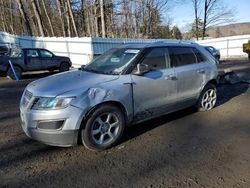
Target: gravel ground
(182, 149)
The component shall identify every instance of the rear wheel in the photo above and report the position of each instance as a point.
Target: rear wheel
(64, 67)
(10, 74)
(208, 98)
(104, 128)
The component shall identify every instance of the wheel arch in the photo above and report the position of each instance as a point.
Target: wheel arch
(115, 103)
(88, 113)
(213, 81)
(16, 65)
(64, 61)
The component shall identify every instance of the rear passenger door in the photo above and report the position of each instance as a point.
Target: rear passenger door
(190, 71)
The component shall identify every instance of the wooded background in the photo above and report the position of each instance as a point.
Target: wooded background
(106, 18)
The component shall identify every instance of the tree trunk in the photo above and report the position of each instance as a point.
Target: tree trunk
(205, 19)
(38, 17)
(49, 20)
(102, 19)
(87, 17)
(72, 18)
(61, 17)
(11, 17)
(196, 19)
(24, 16)
(96, 20)
(67, 19)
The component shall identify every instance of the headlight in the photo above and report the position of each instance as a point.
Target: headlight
(51, 103)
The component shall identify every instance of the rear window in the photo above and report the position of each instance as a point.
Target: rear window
(181, 56)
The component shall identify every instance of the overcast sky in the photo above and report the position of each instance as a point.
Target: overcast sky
(182, 15)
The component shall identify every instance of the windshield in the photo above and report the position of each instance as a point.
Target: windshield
(113, 61)
(16, 52)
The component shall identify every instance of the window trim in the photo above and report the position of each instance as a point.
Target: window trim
(148, 50)
(27, 52)
(46, 51)
(190, 47)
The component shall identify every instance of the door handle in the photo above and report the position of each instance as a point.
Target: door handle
(170, 77)
(129, 83)
(201, 71)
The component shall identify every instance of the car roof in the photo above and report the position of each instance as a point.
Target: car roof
(34, 49)
(163, 43)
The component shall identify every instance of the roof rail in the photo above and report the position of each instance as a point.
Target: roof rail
(174, 41)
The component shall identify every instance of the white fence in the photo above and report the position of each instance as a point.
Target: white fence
(82, 50)
(229, 47)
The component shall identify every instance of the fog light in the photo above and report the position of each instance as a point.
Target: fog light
(50, 124)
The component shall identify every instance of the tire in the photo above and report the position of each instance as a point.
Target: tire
(208, 98)
(103, 128)
(64, 67)
(11, 75)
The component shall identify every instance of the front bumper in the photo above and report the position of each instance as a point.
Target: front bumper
(53, 138)
(3, 68)
(65, 135)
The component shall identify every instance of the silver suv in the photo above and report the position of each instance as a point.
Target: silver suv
(124, 86)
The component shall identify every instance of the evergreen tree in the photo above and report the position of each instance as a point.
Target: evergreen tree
(176, 33)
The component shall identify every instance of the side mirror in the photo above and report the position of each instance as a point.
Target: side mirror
(142, 69)
(82, 67)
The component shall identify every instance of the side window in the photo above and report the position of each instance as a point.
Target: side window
(200, 57)
(181, 56)
(32, 53)
(45, 53)
(157, 58)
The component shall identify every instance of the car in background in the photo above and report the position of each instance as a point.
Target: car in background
(124, 86)
(32, 59)
(246, 49)
(215, 52)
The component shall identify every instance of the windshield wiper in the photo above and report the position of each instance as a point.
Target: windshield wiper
(92, 70)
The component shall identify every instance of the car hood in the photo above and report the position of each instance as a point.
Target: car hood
(62, 57)
(67, 82)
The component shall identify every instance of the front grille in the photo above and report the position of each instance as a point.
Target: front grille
(26, 98)
(28, 94)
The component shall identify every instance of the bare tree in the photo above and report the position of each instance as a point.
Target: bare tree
(215, 13)
(59, 7)
(48, 18)
(106, 18)
(196, 4)
(38, 17)
(72, 17)
(102, 19)
(24, 16)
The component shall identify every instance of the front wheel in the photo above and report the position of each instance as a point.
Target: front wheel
(208, 98)
(11, 75)
(104, 128)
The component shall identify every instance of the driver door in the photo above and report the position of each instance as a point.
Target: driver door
(48, 59)
(154, 92)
